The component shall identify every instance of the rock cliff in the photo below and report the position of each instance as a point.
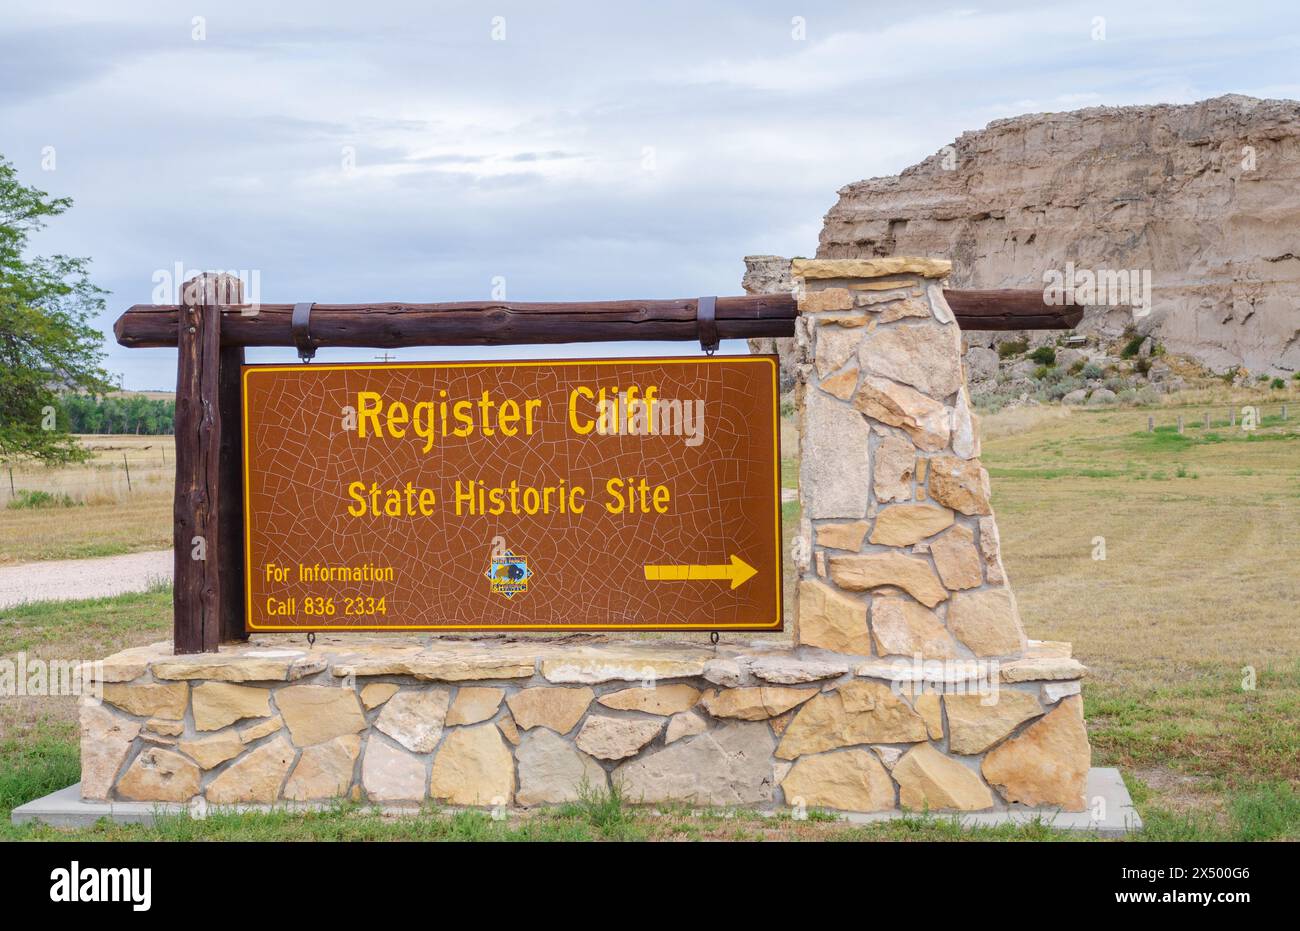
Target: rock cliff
(1206, 197)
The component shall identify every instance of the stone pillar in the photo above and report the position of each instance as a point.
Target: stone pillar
(898, 549)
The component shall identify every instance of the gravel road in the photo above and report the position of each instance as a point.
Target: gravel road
(66, 579)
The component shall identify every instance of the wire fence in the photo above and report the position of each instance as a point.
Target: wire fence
(114, 474)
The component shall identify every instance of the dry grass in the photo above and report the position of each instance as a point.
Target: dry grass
(105, 516)
(1198, 589)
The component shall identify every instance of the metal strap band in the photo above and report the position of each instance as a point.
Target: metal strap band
(706, 323)
(300, 324)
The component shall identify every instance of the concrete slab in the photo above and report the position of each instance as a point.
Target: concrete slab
(1111, 812)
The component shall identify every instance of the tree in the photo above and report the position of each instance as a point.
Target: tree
(47, 344)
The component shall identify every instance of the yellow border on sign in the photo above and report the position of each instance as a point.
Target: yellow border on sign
(777, 624)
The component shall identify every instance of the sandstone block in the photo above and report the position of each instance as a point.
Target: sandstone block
(928, 706)
(895, 464)
(870, 268)
(754, 704)
(957, 559)
(905, 524)
(212, 751)
(317, 713)
(836, 460)
(324, 771)
(552, 771)
(929, 780)
(974, 726)
(991, 550)
(105, 740)
(811, 302)
(473, 767)
(376, 693)
(256, 777)
(474, 704)
(217, 704)
(1047, 764)
(261, 729)
(662, 699)
(390, 774)
(921, 417)
(987, 622)
(686, 724)
(831, 620)
(842, 385)
(415, 717)
(726, 766)
(926, 357)
(795, 670)
(609, 738)
(159, 775)
(557, 708)
(852, 780)
(875, 570)
(854, 713)
(959, 483)
(901, 627)
(846, 536)
(150, 700)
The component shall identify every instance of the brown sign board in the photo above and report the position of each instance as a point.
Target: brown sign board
(592, 494)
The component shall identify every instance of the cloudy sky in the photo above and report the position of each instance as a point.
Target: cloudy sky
(350, 152)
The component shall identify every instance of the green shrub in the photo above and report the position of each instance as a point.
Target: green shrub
(25, 499)
(1012, 347)
(1142, 366)
(1131, 347)
(1277, 383)
(1092, 370)
(1295, 376)
(1042, 372)
(1077, 367)
(1044, 355)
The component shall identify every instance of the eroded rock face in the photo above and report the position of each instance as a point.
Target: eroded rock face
(1164, 188)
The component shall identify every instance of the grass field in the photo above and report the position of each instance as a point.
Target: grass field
(1197, 594)
(90, 509)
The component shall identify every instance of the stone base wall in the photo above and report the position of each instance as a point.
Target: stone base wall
(511, 722)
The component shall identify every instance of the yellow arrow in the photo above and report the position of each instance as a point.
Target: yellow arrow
(738, 571)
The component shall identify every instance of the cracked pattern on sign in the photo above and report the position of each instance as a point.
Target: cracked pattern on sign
(586, 570)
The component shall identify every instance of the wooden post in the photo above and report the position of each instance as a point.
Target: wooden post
(126, 465)
(1151, 424)
(1207, 420)
(230, 512)
(196, 593)
(1180, 423)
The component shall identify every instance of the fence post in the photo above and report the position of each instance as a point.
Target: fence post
(1180, 423)
(1232, 417)
(1207, 420)
(1151, 424)
(196, 594)
(126, 466)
